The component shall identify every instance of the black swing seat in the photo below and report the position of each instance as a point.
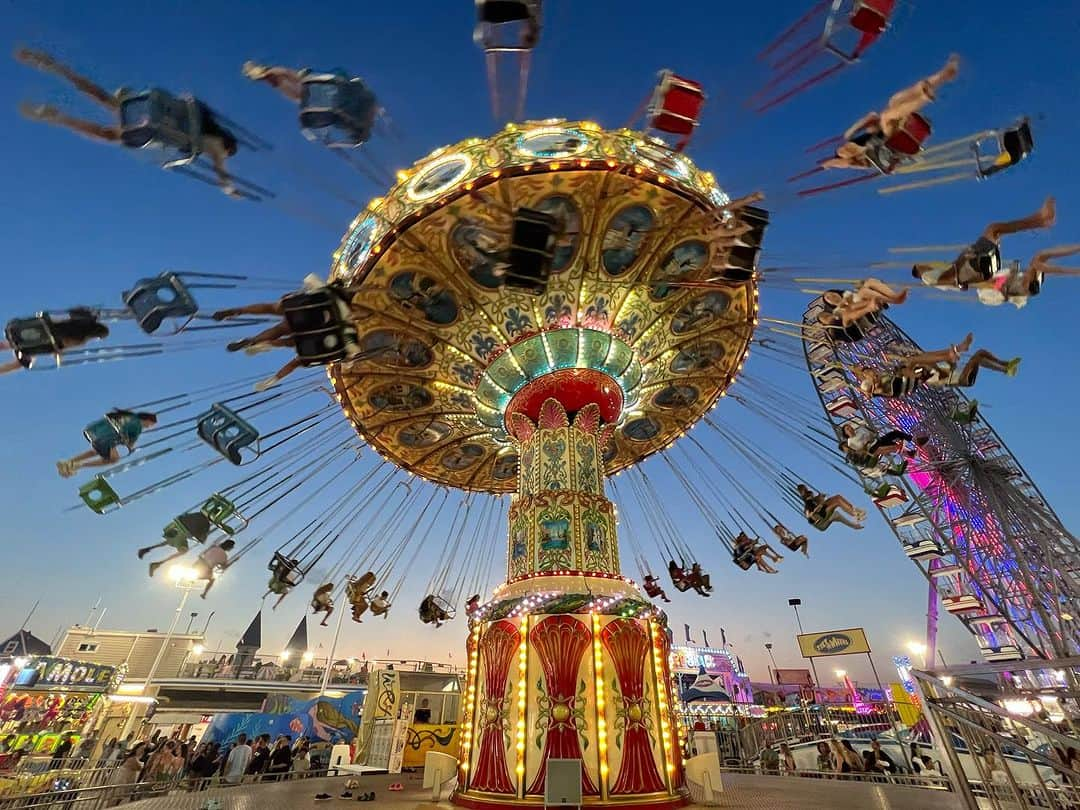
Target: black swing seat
(744, 558)
(1014, 145)
(498, 20)
(286, 570)
(337, 110)
(190, 525)
(496, 12)
(226, 432)
(532, 248)
(152, 300)
(31, 337)
(320, 333)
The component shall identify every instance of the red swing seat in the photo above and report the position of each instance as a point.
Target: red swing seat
(676, 106)
(909, 139)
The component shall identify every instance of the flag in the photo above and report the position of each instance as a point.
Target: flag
(723, 638)
(705, 637)
(688, 639)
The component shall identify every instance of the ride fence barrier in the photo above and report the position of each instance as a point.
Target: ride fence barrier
(937, 782)
(86, 790)
(1005, 730)
(811, 723)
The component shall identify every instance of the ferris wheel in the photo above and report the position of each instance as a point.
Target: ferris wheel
(962, 506)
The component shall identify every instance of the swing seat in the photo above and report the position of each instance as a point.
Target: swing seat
(653, 589)
(227, 433)
(1014, 145)
(287, 571)
(157, 118)
(868, 18)
(496, 12)
(742, 261)
(744, 559)
(908, 140)
(791, 542)
(320, 334)
(31, 337)
(98, 494)
(532, 248)
(223, 514)
(842, 407)
(925, 548)
(188, 526)
(494, 15)
(676, 105)
(893, 498)
(102, 433)
(337, 110)
(152, 300)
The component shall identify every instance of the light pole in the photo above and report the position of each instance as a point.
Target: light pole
(795, 606)
(184, 579)
(798, 620)
(768, 648)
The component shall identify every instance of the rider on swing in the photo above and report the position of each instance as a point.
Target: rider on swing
(119, 428)
(431, 612)
(653, 589)
(745, 544)
(874, 129)
(215, 140)
(281, 578)
(357, 593)
(792, 541)
(323, 602)
(280, 335)
(822, 511)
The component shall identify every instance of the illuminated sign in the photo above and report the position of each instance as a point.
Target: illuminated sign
(834, 642)
(52, 673)
(695, 659)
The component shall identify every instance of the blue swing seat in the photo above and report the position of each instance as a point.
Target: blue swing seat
(337, 110)
(157, 118)
(227, 433)
(152, 300)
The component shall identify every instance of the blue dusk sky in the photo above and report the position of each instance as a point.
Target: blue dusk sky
(81, 221)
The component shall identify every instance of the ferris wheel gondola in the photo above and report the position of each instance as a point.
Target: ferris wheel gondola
(965, 511)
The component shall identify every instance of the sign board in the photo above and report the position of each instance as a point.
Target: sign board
(834, 642)
(793, 677)
(397, 746)
(47, 672)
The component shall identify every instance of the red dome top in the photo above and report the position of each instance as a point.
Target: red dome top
(574, 388)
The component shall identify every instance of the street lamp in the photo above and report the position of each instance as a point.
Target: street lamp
(919, 649)
(187, 580)
(795, 606)
(768, 649)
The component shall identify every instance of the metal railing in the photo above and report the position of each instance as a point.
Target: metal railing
(1000, 758)
(219, 665)
(93, 790)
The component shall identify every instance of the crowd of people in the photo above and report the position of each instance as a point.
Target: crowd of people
(838, 756)
(137, 767)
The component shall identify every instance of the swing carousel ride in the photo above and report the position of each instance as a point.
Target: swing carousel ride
(523, 317)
